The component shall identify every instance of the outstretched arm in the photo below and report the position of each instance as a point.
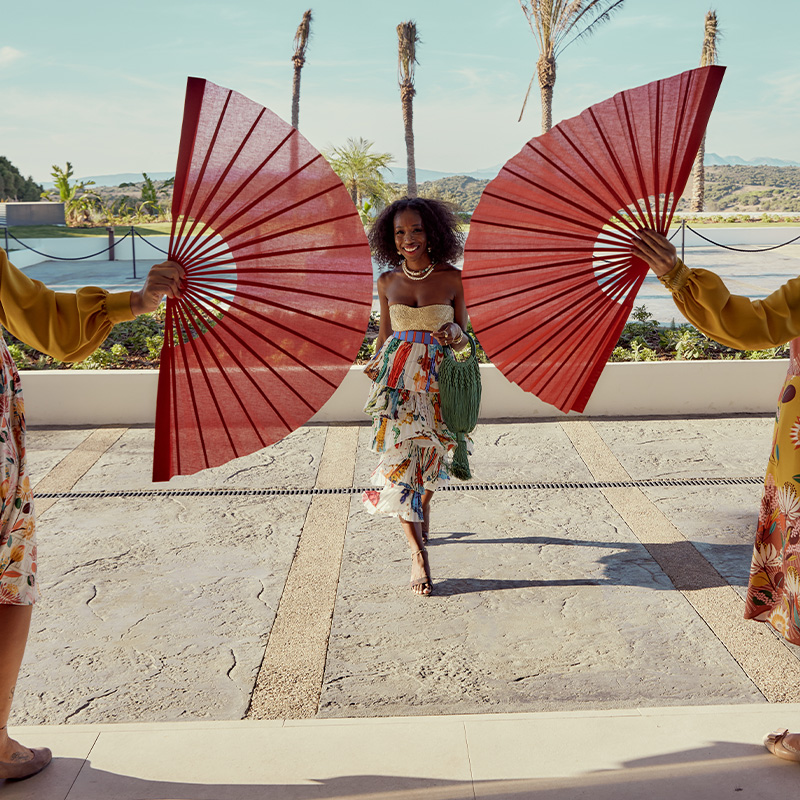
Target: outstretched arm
(70, 326)
(705, 301)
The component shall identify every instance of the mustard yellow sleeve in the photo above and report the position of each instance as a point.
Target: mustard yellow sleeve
(67, 326)
(730, 319)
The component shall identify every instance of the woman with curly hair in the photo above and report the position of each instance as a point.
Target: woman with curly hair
(422, 311)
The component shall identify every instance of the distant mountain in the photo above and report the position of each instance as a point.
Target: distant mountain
(121, 177)
(398, 174)
(713, 160)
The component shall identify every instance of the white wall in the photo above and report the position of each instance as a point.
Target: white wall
(671, 388)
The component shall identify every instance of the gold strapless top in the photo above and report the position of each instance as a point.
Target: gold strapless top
(424, 318)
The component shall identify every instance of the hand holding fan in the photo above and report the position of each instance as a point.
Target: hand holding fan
(278, 285)
(549, 276)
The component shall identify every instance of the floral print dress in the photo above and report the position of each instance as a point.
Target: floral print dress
(18, 582)
(407, 428)
(773, 593)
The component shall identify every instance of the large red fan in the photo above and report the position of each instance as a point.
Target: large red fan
(278, 285)
(549, 276)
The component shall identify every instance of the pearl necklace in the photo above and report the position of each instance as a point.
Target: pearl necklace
(417, 276)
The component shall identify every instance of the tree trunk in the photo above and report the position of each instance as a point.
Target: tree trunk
(546, 72)
(406, 98)
(298, 67)
(699, 178)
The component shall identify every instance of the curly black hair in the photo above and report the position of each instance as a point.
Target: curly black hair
(445, 240)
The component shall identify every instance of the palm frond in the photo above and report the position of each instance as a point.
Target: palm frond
(302, 36)
(601, 16)
(407, 41)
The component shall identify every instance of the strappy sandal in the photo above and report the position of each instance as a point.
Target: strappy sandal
(423, 580)
(776, 744)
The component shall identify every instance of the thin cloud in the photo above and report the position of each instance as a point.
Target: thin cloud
(785, 90)
(8, 55)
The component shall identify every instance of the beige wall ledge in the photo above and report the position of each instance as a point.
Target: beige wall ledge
(667, 388)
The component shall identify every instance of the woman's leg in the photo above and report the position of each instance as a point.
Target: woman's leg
(426, 511)
(15, 621)
(419, 557)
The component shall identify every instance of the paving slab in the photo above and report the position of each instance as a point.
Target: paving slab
(544, 600)
(292, 462)
(155, 608)
(707, 447)
(46, 447)
(161, 608)
(719, 520)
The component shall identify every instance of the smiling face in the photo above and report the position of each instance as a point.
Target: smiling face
(410, 239)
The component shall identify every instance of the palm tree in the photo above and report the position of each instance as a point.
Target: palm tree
(298, 59)
(359, 169)
(708, 56)
(552, 22)
(406, 59)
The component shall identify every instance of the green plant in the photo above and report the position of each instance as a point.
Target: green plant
(691, 345)
(104, 359)
(641, 352)
(154, 345)
(20, 359)
(77, 197)
(135, 333)
(151, 202)
(367, 350)
(620, 354)
(642, 327)
(782, 351)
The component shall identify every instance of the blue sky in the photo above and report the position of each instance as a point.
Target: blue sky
(102, 85)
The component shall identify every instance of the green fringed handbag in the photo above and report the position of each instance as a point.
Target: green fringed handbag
(460, 398)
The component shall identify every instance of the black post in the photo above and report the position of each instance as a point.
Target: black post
(133, 250)
(683, 239)
(110, 229)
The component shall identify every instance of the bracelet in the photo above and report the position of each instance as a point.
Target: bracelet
(460, 339)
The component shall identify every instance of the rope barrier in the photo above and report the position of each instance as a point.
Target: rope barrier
(156, 247)
(65, 258)
(741, 249)
(132, 231)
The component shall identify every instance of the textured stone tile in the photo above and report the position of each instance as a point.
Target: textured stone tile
(155, 609)
(46, 447)
(719, 520)
(292, 462)
(543, 601)
(675, 448)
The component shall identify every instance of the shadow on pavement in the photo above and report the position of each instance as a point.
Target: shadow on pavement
(732, 561)
(722, 769)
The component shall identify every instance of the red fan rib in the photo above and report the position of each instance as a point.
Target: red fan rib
(549, 275)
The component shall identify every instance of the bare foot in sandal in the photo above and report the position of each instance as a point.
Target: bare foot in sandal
(421, 583)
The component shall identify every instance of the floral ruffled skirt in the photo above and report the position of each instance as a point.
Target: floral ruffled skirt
(407, 428)
(18, 584)
(773, 592)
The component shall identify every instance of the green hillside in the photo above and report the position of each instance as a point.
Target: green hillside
(744, 188)
(13, 186)
(728, 188)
